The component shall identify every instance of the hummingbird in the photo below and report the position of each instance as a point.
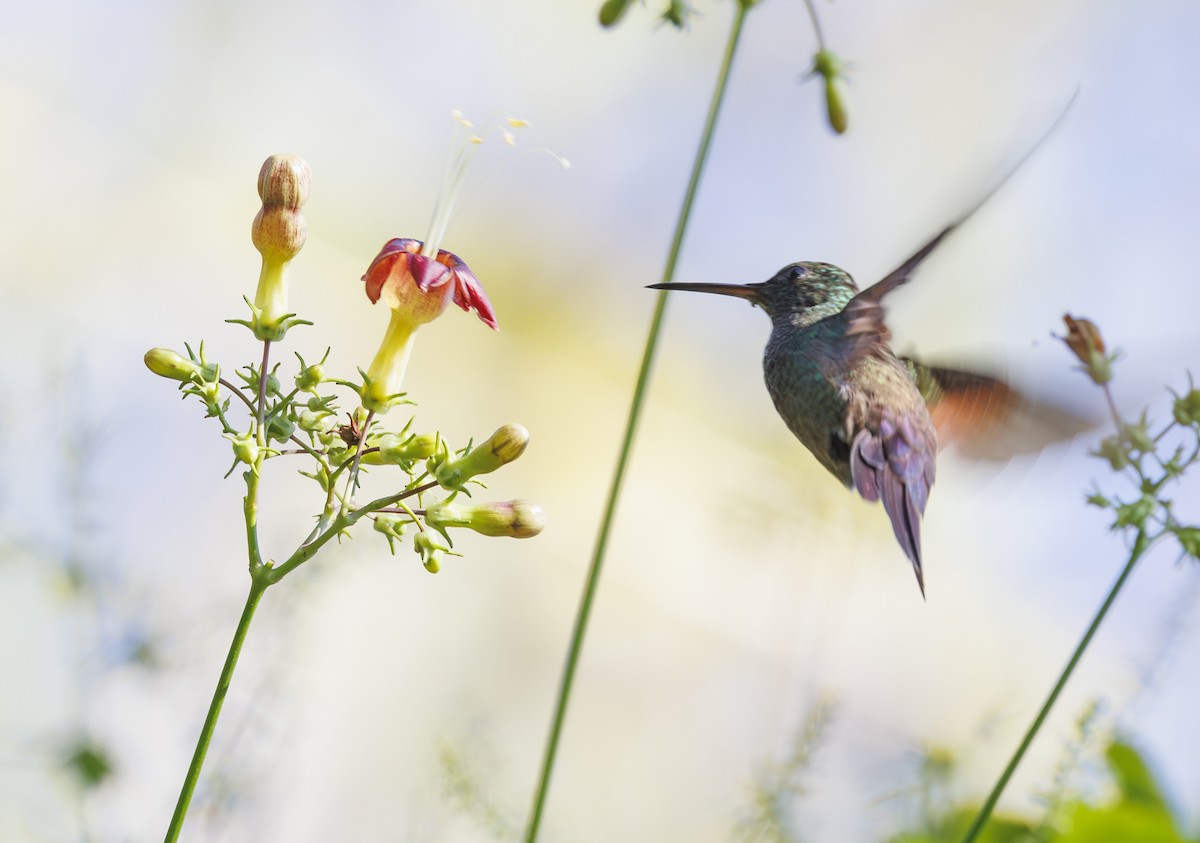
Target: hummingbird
(868, 415)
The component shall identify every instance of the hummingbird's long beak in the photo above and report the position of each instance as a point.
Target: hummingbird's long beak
(741, 291)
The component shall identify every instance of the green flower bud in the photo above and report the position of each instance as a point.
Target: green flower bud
(392, 526)
(504, 446)
(91, 764)
(519, 519)
(1097, 499)
(399, 450)
(280, 428)
(835, 110)
(1187, 408)
(316, 422)
(1189, 540)
(311, 377)
(677, 14)
(1134, 514)
(829, 67)
(167, 364)
(613, 10)
(245, 447)
(431, 547)
(1139, 437)
(1113, 449)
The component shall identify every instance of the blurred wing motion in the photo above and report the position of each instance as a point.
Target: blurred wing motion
(863, 316)
(987, 419)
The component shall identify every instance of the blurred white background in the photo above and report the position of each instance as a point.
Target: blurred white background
(742, 584)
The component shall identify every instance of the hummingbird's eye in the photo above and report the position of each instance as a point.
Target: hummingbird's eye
(796, 273)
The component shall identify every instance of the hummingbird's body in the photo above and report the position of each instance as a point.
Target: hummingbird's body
(867, 415)
(842, 392)
(853, 404)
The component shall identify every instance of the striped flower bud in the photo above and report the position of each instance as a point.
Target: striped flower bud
(519, 519)
(504, 446)
(168, 364)
(278, 232)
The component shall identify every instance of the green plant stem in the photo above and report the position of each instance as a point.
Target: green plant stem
(258, 585)
(1141, 544)
(639, 393)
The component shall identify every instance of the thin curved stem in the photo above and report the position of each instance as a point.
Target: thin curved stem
(1140, 545)
(261, 410)
(258, 585)
(639, 394)
(812, 13)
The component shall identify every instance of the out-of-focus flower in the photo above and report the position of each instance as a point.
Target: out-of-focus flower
(418, 289)
(830, 68)
(1085, 342)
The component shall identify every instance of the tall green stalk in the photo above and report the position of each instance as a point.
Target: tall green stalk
(258, 585)
(639, 394)
(1140, 545)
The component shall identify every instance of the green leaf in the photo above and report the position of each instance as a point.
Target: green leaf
(1134, 778)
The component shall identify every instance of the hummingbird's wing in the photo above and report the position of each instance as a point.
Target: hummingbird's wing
(864, 323)
(985, 417)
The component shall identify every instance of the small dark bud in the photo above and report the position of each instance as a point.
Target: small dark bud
(1085, 342)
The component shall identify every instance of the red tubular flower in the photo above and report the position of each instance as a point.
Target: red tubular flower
(417, 288)
(422, 286)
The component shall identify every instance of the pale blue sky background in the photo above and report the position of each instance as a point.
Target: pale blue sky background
(743, 583)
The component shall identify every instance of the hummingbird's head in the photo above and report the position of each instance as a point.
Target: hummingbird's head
(799, 294)
(806, 289)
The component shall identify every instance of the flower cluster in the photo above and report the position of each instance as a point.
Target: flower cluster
(1153, 458)
(300, 418)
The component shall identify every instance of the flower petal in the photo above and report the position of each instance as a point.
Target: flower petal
(428, 272)
(384, 265)
(468, 292)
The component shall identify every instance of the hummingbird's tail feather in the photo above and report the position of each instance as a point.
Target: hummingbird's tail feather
(896, 466)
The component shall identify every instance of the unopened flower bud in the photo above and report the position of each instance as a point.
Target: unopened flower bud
(431, 547)
(829, 68)
(613, 10)
(245, 447)
(504, 446)
(1189, 540)
(310, 377)
(279, 229)
(168, 364)
(280, 429)
(400, 450)
(1085, 342)
(316, 421)
(392, 526)
(1114, 450)
(519, 519)
(278, 232)
(1135, 514)
(1187, 408)
(1138, 436)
